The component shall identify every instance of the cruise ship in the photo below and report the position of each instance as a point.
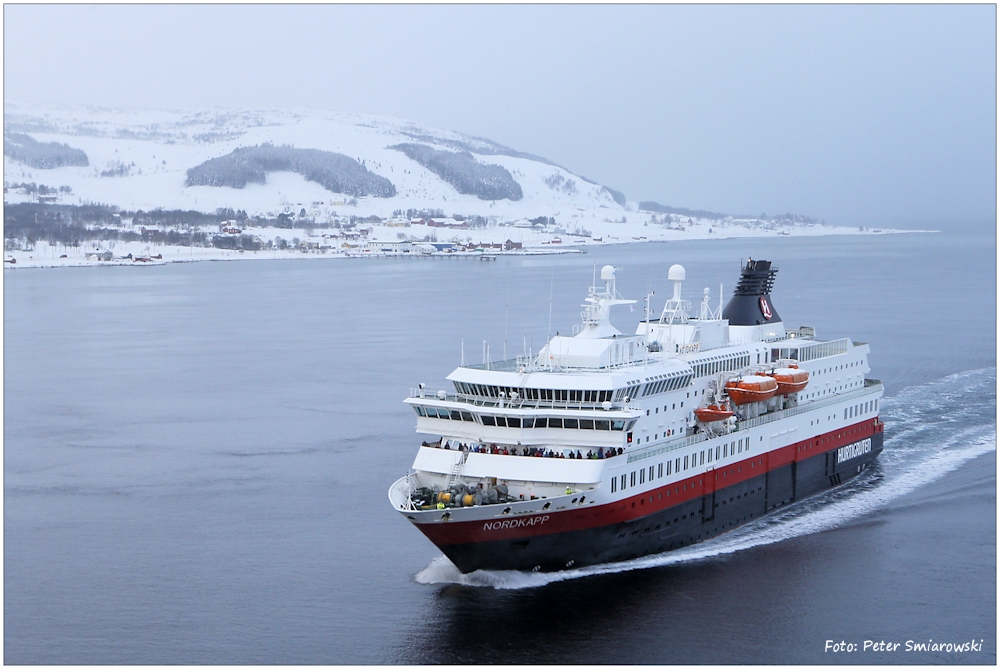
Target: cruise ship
(608, 446)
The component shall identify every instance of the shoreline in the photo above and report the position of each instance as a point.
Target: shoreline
(140, 254)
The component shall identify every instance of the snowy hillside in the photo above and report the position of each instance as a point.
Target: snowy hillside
(146, 157)
(170, 186)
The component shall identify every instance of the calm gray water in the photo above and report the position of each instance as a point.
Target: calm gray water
(197, 456)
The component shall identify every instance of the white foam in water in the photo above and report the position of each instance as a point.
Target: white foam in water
(932, 430)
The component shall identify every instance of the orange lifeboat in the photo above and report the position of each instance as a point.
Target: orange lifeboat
(712, 413)
(790, 379)
(748, 389)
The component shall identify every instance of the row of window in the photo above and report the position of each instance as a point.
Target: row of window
(526, 422)
(631, 392)
(858, 409)
(815, 351)
(836, 368)
(673, 383)
(838, 436)
(681, 464)
(536, 394)
(657, 469)
(564, 423)
(725, 364)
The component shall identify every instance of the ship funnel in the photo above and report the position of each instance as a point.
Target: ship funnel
(751, 301)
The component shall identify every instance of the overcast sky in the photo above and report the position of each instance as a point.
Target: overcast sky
(853, 114)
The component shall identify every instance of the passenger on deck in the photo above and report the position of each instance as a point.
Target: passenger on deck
(600, 453)
(579, 455)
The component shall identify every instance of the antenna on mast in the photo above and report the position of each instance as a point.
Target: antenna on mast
(506, 313)
(548, 333)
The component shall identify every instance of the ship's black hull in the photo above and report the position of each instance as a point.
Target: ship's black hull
(677, 526)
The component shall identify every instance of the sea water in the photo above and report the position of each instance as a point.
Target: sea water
(197, 458)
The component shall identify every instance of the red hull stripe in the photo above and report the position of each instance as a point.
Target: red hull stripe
(652, 501)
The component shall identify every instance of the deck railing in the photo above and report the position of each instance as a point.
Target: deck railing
(517, 402)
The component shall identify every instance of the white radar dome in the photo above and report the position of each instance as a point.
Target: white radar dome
(607, 273)
(676, 273)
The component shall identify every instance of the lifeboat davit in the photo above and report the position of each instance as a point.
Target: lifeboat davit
(712, 413)
(790, 380)
(749, 389)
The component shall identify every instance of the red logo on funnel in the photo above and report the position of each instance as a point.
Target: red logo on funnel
(765, 308)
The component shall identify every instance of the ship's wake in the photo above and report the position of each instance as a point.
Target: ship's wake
(931, 430)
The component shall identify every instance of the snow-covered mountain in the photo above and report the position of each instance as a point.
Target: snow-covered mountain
(141, 160)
